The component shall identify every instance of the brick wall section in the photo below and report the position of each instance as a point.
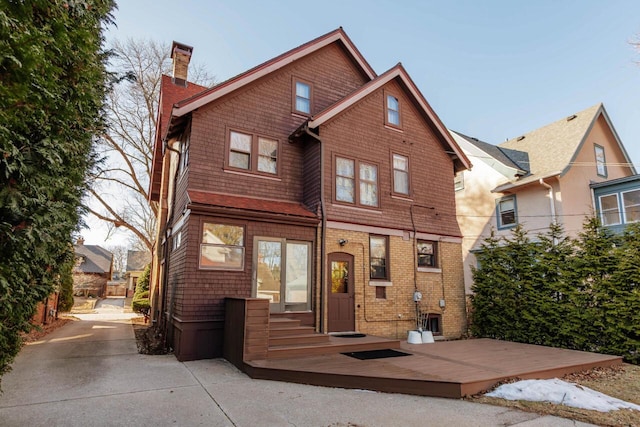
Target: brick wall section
(360, 133)
(394, 316)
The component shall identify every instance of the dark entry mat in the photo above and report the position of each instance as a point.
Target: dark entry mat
(350, 335)
(376, 354)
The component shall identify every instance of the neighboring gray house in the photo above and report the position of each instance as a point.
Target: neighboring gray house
(94, 265)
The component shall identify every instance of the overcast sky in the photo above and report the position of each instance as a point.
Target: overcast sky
(490, 69)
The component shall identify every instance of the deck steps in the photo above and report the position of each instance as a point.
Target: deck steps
(287, 338)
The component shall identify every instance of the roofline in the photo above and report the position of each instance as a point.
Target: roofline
(465, 140)
(224, 88)
(603, 111)
(615, 181)
(396, 72)
(531, 179)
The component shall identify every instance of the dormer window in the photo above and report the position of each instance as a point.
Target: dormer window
(302, 99)
(393, 111)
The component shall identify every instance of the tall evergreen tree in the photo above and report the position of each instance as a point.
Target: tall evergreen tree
(52, 87)
(591, 270)
(624, 312)
(555, 312)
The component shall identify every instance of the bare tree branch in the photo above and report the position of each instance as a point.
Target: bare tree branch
(120, 181)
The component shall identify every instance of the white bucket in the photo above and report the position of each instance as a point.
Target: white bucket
(414, 337)
(427, 337)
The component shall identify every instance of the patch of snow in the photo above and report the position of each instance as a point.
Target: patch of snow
(561, 392)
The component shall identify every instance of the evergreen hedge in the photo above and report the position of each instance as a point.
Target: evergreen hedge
(52, 86)
(581, 294)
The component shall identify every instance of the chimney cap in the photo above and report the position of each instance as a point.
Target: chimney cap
(181, 47)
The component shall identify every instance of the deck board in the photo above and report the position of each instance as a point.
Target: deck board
(445, 369)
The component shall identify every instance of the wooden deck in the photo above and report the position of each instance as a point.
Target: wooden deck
(444, 369)
(281, 349)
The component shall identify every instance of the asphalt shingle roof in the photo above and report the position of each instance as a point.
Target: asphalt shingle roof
(552, 147)
(96, 259)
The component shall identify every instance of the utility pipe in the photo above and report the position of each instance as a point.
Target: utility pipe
(323, 238)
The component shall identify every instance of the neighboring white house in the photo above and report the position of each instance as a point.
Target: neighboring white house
(537, 178)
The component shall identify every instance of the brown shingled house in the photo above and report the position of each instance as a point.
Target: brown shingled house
(309, 181)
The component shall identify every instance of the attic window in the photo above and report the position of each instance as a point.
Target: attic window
(571, 117)
(302, 97)
(520, 138)
(392, 107)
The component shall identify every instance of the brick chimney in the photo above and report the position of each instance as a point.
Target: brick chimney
(181, 55)
(80, 241)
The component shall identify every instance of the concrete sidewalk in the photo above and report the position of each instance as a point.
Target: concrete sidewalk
(88, 373)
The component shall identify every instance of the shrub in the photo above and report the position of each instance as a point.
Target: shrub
(140, 302)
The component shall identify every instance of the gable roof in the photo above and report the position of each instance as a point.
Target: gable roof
(506, 161)
(170, 94)
(95, 259)
(400, 74)
(137, 260)
(553, 148)
(234, 83)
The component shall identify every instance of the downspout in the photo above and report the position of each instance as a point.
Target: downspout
(166, 254)
(323, 238)
(551, 197)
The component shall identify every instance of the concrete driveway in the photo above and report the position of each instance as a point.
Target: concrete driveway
(88, 373)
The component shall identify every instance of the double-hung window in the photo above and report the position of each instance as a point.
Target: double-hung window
(222, 247)
(393, 111)
(400, 174)
(610, 209)
(378, 257)
(253, 153)
(302, 97)
(356, 182)
(506, 212)
(427, 254)
(631, 201)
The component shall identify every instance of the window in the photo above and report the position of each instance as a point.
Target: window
(379, 266)
(368, 184)
(364, 192)
(458, 181)
(267, 155)
(601, 164)
(506, 208)
(431, 322)
(241, 149)
(393, 111)
(400, 174)
(427, 254)
(177, 240)
(222, 247)
(302, 97)
(184, 156)
(609, 210)
(631, 201)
